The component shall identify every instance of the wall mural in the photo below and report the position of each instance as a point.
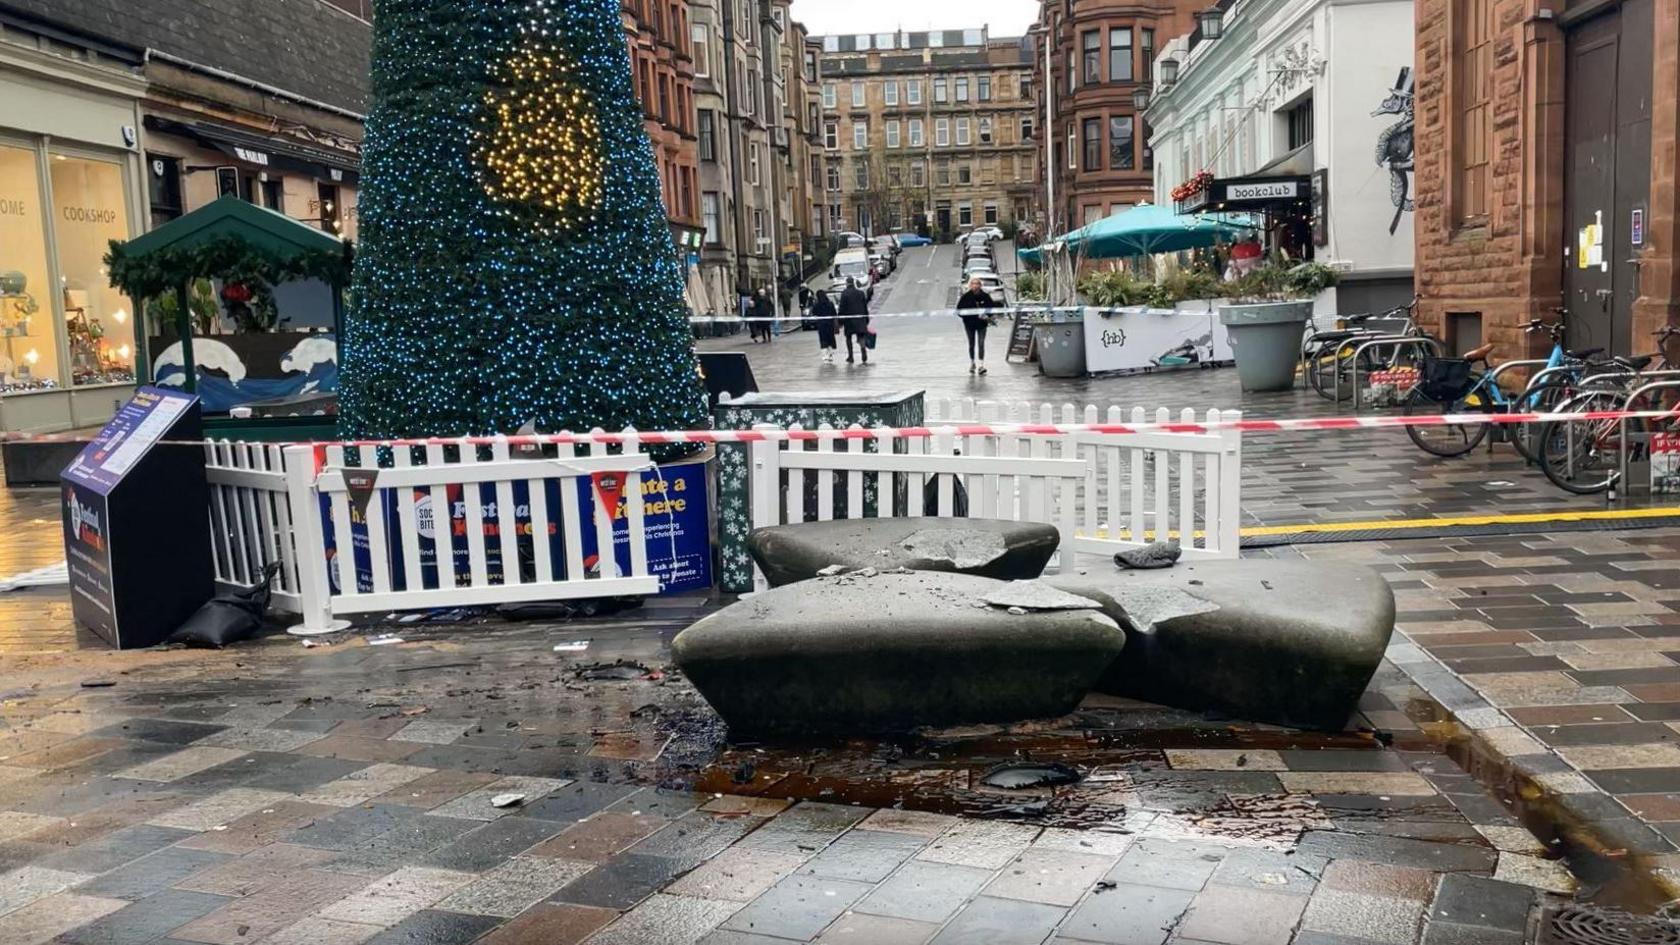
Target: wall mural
(1395, 145)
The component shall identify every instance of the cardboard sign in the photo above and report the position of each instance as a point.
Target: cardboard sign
(1665, 463)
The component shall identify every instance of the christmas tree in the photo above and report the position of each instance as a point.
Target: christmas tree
(515, 263)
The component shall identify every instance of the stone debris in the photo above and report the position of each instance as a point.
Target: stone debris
(1015, 777)
(507, 800)
(962, 548)
(1160, 554)
(1037, 595)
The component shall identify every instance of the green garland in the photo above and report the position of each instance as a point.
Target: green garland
(230, 259)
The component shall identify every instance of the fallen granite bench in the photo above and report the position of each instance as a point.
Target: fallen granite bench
(885, 652)
(1288, 642)
(993, 548)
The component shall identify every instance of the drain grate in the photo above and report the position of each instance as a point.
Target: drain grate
(1583, 925)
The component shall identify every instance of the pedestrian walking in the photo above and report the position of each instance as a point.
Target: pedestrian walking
(976, 300)
(764, 316)
(823, 313)
(854, 318)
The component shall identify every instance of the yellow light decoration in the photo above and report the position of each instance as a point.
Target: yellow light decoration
(542, 150)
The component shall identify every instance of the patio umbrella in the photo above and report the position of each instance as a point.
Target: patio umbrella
(1144, 230)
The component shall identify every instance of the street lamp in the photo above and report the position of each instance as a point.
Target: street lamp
(1169, 71)
(1140, 98)
(1042, 31)
(1212, 22)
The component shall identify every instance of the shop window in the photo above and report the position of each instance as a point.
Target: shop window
(328, 207)
(90, 209)
(163, 188)
(274, 195)
(29, 357)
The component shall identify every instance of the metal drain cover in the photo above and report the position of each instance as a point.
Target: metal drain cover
(1583, 925)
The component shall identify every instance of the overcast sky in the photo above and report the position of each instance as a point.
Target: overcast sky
(1005, 17)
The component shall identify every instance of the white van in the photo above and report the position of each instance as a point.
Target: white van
(852, 264)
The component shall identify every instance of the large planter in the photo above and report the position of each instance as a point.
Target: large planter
(1266, 339)
(1060, 343)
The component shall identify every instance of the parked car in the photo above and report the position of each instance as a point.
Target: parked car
(851, 264)
(989, 232)
(881, 265)
(907, 240)
(991, 284)
(852, 240)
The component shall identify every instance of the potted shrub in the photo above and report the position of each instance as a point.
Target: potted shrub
(1267, 311)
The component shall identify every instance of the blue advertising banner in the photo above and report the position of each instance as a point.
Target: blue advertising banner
(675, 515)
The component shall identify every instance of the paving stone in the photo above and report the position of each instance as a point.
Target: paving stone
(1128, 915)
(599, 837)
(1233, 916)
(17, 824)
(1361, 915)
(259, 828)
(168, 731)
(1334, 760)
(435, 927)
(430, 791)
(576, 801)
(142, 921)
(858, 929)
(475, 805)
(409, 843)
(868, 856)
(350, 829)
(986, 844)
(916, 822)
(151, 874)
(484, 846)
(1483, 902)
(261, 739)
(741, 804)
(514, 886)
(433, 731)
(1549, 875)
(695, 837)
(804, 829)
(280, 903)
(732, 937)
(313, 930)
(1098, 842)
(219, 808)
(1511, 839)
(177, 765)
(1168, 864)
(362, 786)
(250, 873)
(114, 849)
(551, 924)
(53, 915)
(353, 748)
(22, 886)
(1379, 879)
(665, 920)
(1051, 877)
(1355, 782)
(798, 907)
(926, 892)
(1225, 759)
(737, 875)
(392, 898)
(670, 805)
(1398, 851)
(621, 881)
(1271, 871)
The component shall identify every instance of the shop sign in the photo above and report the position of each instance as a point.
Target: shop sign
(251, 157)
(1638, 227)
(1269, 191)
(11, 207)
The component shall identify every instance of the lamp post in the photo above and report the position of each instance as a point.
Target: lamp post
(1043, 32)
(1169, 71)
(1140, 99)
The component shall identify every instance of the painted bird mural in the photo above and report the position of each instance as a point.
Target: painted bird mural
(1395, 145)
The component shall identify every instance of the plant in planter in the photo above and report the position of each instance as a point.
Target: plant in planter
(1195, 185)
(1268, 309)
(1029, 286)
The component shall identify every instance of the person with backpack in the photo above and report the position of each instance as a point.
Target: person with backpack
(976, 299)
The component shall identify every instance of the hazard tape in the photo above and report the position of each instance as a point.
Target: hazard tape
(999, 311)
(800, 435)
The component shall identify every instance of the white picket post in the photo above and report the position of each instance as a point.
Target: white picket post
(314, 591)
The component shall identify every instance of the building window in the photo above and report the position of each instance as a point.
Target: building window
(831, 135)
(1146, 53)
(913, 91)
(713, 219)
(918, 174)
(965, 174)
(942, 132)
(759, 231)
(163, 187)
(752, 163)
(834, 177)
(1091, 45)
(860, 136)
(1072, 149)
(810, 66)
(1473, 60)
(1093, 144)
(965, 214)
(882, 40)
(1120, 54)
(962, 133)
(1300, 120)
(834, 218)
(892, 134)
(895, 176)
(991, 216)
(962, 88)
(1026, 88)
(1072, 76)
(860, 97)
(750, 97)
(1026, 128)
(700, 42)
(939, 94)
(889, 92)
(984, 88)
(985, 131)
(274, 194)
(830, 99)
(942, 174)
(915, 132)
(327, 200)
(1148, 152)
(708, 135)
(860, 175)
(1120, 146)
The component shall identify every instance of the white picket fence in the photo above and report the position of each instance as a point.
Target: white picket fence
(410, 549)
(1104, 492)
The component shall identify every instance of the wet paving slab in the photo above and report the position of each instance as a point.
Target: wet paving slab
(343, 793)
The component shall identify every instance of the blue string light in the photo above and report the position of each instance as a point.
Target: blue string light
(515, 261)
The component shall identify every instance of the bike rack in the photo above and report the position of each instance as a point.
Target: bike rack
(1622, 438)
(1493, 376)
(1398, 341)
(1307, 349)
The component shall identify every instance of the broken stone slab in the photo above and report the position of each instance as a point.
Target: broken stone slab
(890, 652)
(992, 548)
(1036, 595)
(1287, 642)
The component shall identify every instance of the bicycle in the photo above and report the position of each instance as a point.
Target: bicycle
(1329, 356)
(1584, 456)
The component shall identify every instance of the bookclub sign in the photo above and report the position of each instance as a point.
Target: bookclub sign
(1279, 190)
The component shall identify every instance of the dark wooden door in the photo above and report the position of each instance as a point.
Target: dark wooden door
(1607, 171)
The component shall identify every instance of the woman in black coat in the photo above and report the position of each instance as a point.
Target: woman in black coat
(854, 318)
(764, 317)
(823, 315)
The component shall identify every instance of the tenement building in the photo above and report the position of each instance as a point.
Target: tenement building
(662, 71)
(929, 132)
(1546, 170)
(1100, 52)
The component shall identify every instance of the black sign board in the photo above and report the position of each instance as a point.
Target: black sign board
(1020, 338)
(727, 372)
(137, 523)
